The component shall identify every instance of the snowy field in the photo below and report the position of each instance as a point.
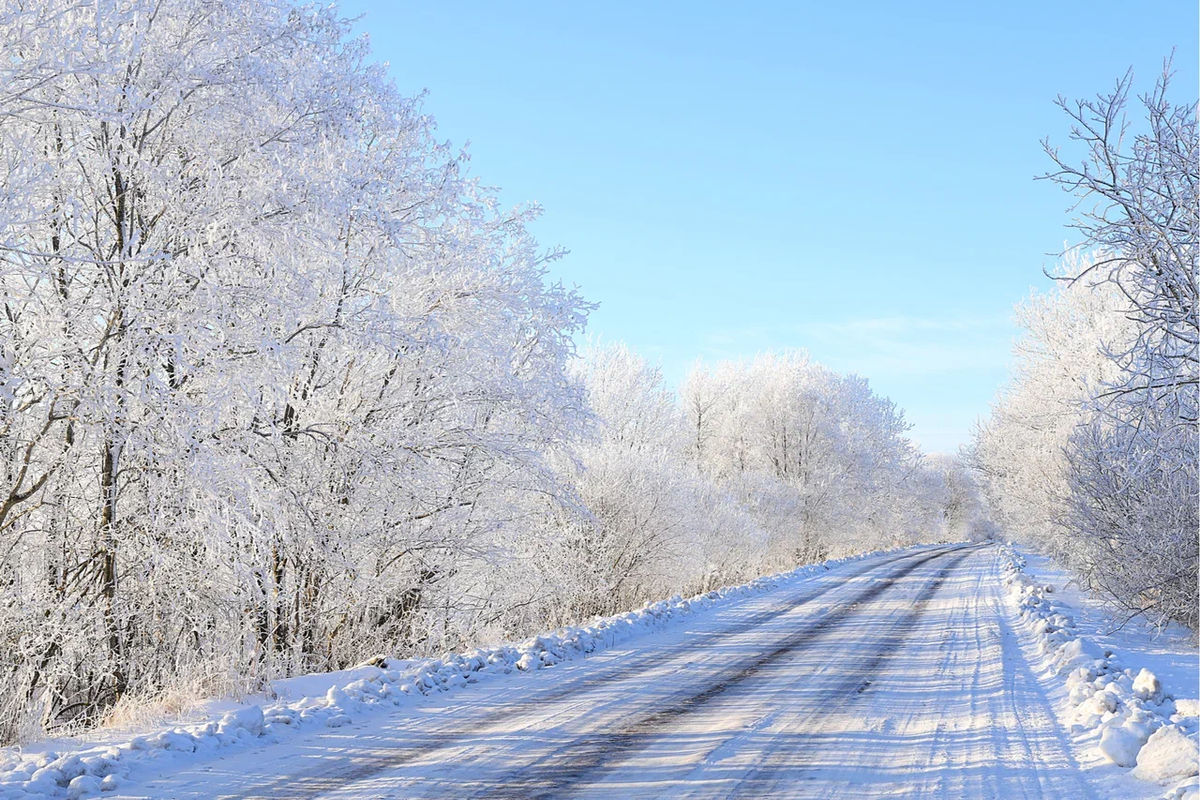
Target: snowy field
(904, 674)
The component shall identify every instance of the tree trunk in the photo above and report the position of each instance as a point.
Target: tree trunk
(108, 560)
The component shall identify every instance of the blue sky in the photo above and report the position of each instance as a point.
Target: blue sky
(853, 179)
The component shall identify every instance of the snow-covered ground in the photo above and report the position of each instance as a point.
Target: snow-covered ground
(1127, 691)
(907, 674)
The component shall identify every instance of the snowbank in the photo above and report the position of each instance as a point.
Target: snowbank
(1141, 725)
(337, 698)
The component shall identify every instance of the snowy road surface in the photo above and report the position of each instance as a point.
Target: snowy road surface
(896, 676)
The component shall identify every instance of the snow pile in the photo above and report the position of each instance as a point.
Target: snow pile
(382, 684)
(1140, 725)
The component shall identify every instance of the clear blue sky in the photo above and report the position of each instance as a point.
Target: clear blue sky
(853, 179)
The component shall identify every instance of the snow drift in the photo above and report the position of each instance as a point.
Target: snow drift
(1140, 724)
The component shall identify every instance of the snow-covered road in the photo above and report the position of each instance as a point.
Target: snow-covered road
(896, 676)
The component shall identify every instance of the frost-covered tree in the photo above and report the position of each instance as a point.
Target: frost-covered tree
(654, 523)
(1095, 444)
(1059, 365)
(820, 459)
(953, 494)
(1060, 474)
(1134, 478)
(1138, 209)
(277, 376)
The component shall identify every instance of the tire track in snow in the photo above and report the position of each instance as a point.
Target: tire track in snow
(324, 779)
(1034, 715)
(1029, 753)
(592, 754)
(788, 605)
(850, 691)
